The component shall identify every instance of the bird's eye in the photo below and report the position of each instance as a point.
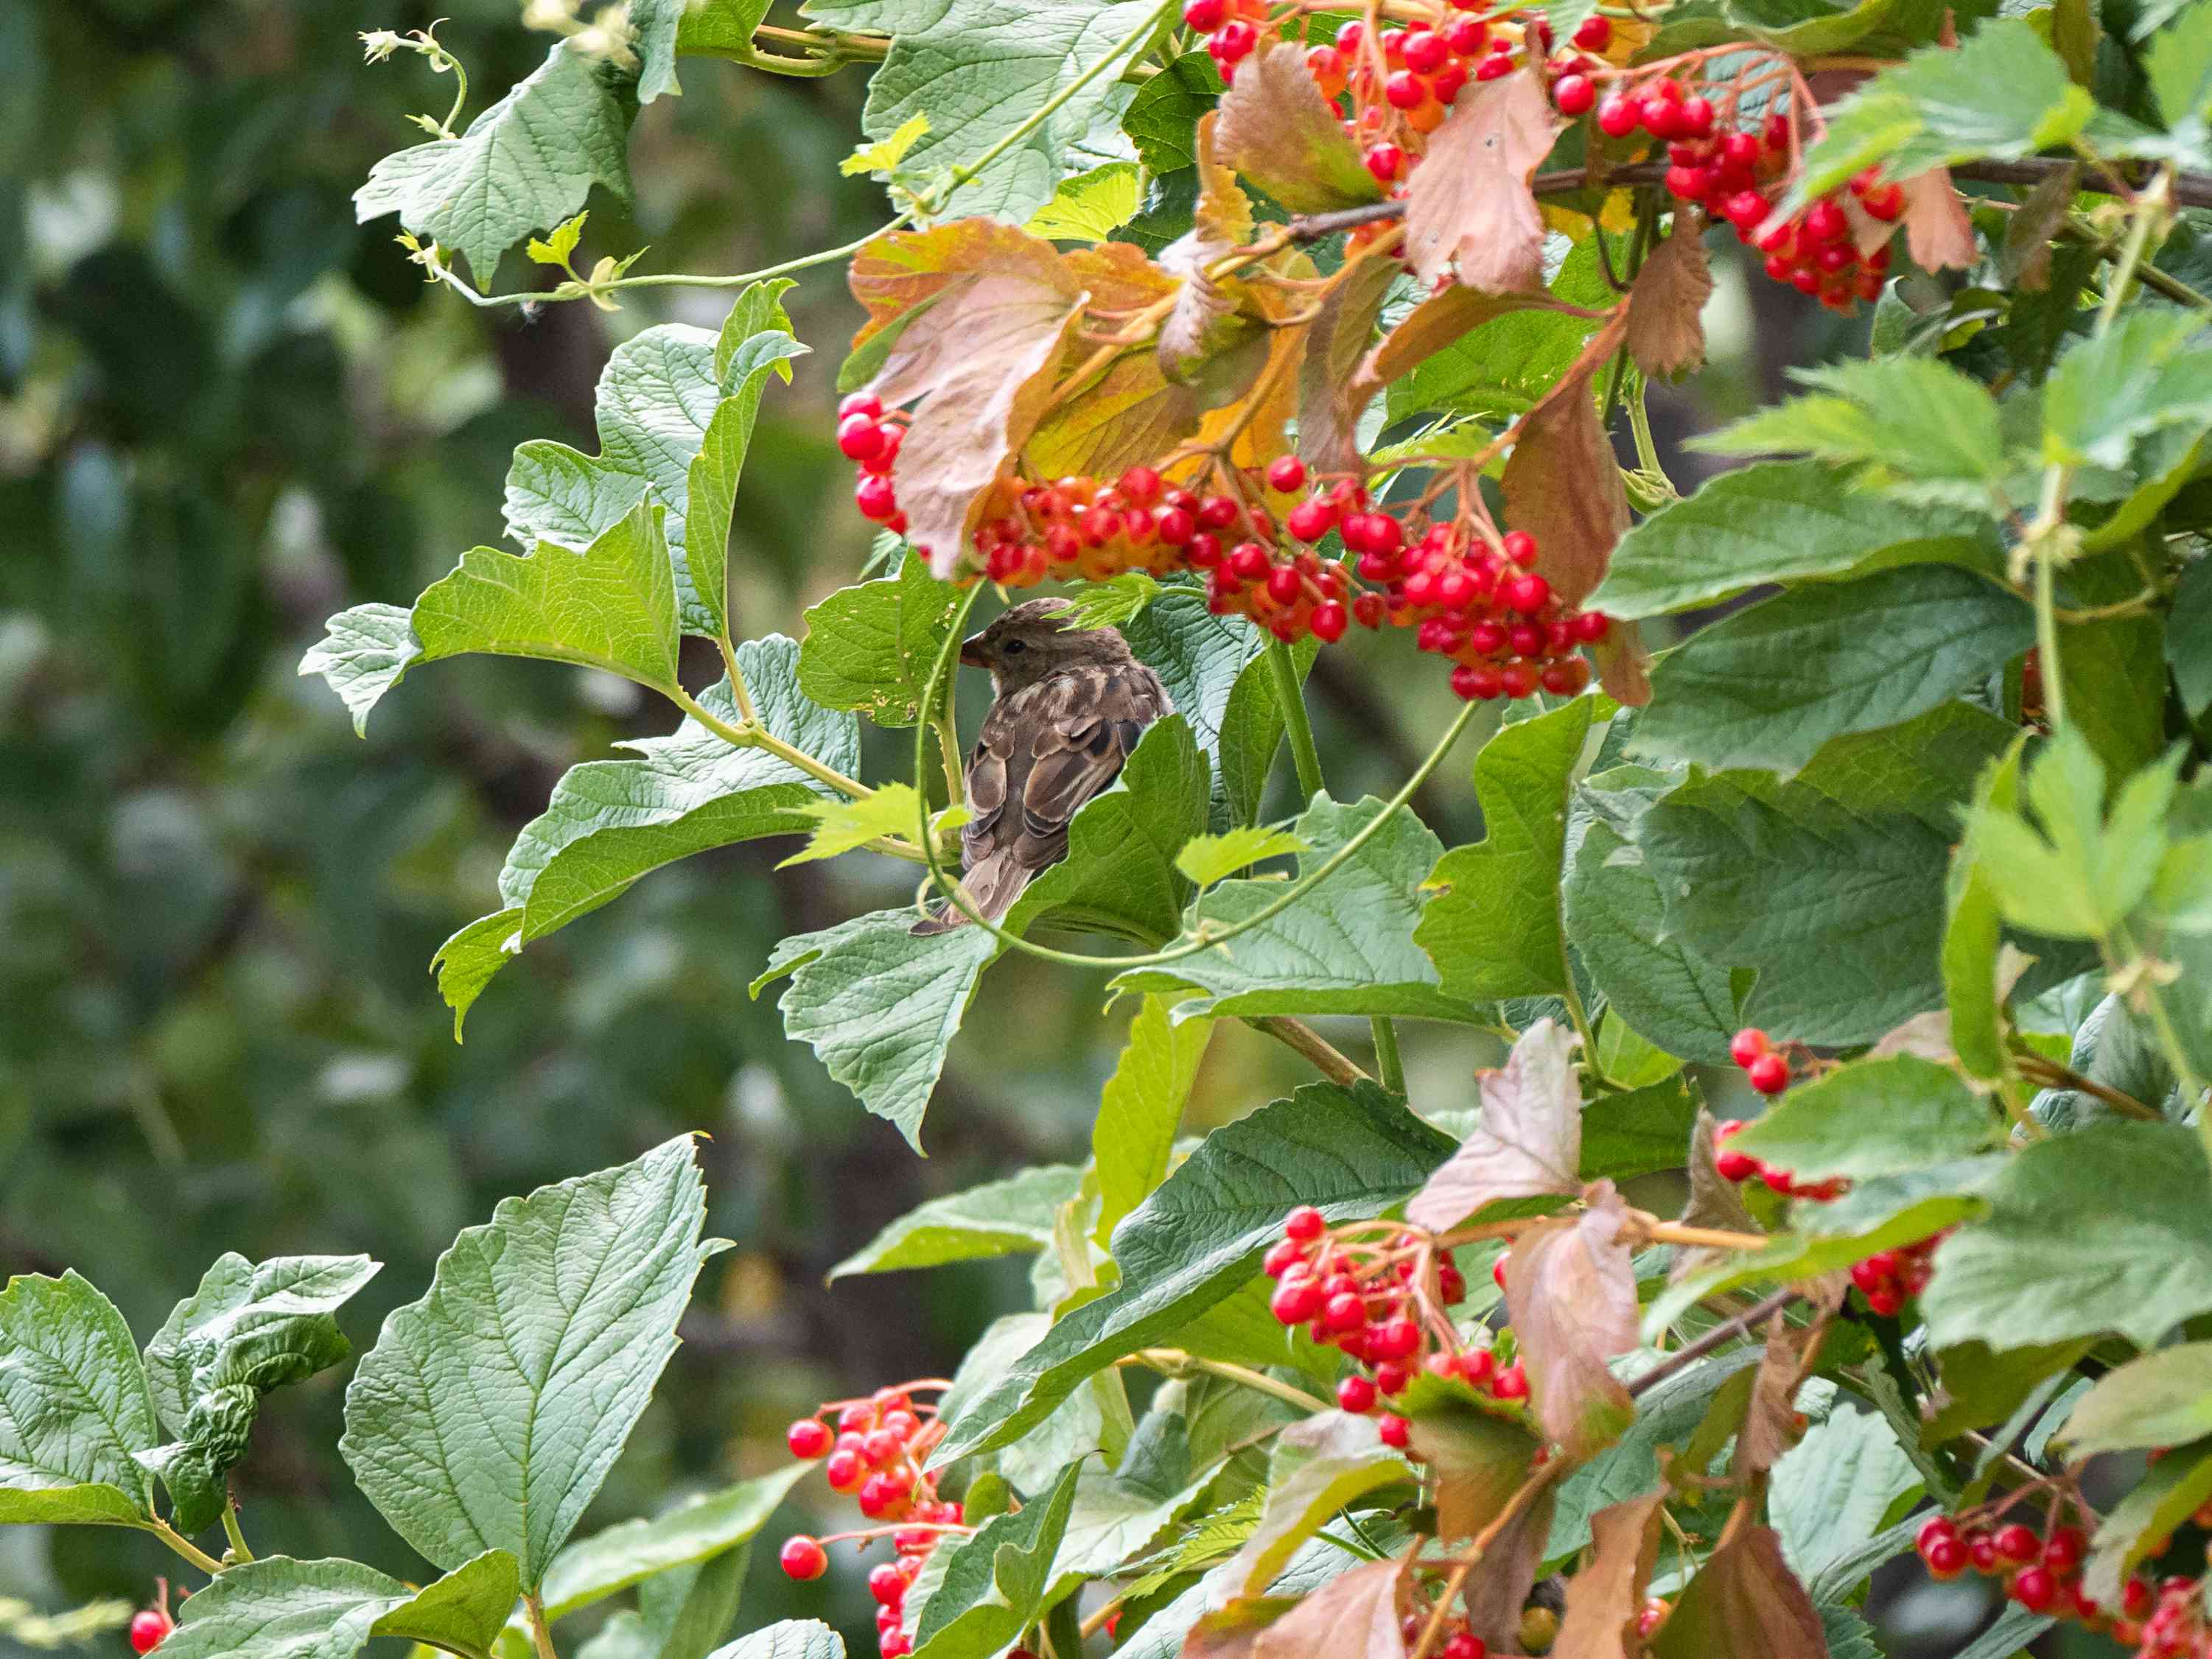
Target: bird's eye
(1013, 648)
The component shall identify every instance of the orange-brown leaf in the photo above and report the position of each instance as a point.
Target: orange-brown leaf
(1666, 334)
(1427, 329)
(1328, 424)
(1477, 1455)
(1469, 209)
(1498, 1588)
(1624, 667)
(1215, 339)
(1936, 229)
(1746, 1603)
(1562, 486)
(1129, 412)
(1604, 1598)
(1571, 1293)
(979, 363)
(1354, 1616)
(1278, 131)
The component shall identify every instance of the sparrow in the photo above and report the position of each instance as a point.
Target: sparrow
(1069, 705)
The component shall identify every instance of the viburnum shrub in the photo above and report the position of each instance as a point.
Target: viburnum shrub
(1845, 1189)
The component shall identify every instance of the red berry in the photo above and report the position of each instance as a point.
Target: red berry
(1367, 610)
(1329, 622)
(886, 1583)
(1311, 521)
(1947, 1558)
(1511, 1384)
(1217, 513)
(1596, 34)
(1748, 1045)
(1734, 1166)
(1520, 547)
(1466, 1645)
(803, 1558)
(1356, 1394)
(1475, 1366)
(1934, 1530)
(1617, 116)
(149, 1628)
(843, 1470)
(1305, 1223)
(1288, 473)
(1696, 116)
(1574, 95)
(2035, 1589)
(1296, 1299)
(1395, 1430)
(1744, 209)
(809, 1437)
(859, 438)
(1287, 1254)
(1386, 162)
(1769, 1074)
(1495, 67)
(875, 497)
(1406, 90)
(1344, 1311)
(1205, 16)
(1526, 592)
(1589, 627)
(2017, 1543)
(1825, 222)
(2063, 1550)
(861, 403)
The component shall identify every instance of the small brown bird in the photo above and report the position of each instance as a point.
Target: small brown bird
(1071, 705)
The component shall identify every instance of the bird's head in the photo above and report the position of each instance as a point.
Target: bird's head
(1031, 641)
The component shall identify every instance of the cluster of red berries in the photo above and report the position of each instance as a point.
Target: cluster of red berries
(877, 1453)
(1764, 1067)
(1459, 1641)
(1890, 1279)
(870, 440)
(150, 1627)
(1733, 1165)
(2162, 1620)
(1375, 1291)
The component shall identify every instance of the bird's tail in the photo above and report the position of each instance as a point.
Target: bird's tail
(991, 887)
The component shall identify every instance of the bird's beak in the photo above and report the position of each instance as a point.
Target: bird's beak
(974, 653)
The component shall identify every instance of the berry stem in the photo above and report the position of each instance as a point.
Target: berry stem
(541, 1634)
(185, 1546)
(238, 1551)
(1174, 1362)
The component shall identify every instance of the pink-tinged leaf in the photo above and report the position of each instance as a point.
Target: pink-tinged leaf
(1770, 1425)
(1278, 131)
(1571, 1293)
(1529, 1141)
(1561, 484)
(1606, 1597)
(1936, 229)
(1624, 667)
(1328, 424)
(1713, 1202)
(1498, 1588)
(1666, 330)
(1353, 1617)
(1127, 411)
(1233, 1631)
(1215, 339)
(1427, 329)
(1745, 1603)
(1469, 210)
(978, 363)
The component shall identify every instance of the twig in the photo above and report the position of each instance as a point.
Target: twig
(185, 1546)
(1524, 1495)
(1721, 1334)
(1173, 1362)
(1300, 1038)
(2047, 1073)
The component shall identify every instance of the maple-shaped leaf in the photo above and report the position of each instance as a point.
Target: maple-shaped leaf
(1936, 229)
(1744, 1602)
(1278, 131)
(1571, 1293)
(1353, 1616)
(977, 361)
(1666, 335)
(1214, 340)
(1529, 1142)
(1605, 1599)
(1469, 210)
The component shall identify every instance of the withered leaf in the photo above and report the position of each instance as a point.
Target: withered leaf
(2025, 260)
(1936, 229)
(1771, 1426)
(980, 361)
(1337, 340)
(1469, 209)
(1604, 1598)
(1278, 131)
(1666, 335)
(1214, 341)
(1713, 1202)
(1478, 1456)
(1561, 483)
(1746, 1603)
(1425, 329)
(1352, 1617)
(1570, 1293)
(1498, 1588)
(1624, 667)
(1529, 1141)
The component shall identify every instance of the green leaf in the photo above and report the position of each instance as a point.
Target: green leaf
(845, 826)
(2174, 1489)
(980, 69)
(1215, 674)
(1973, 932)
(2188, 638)
(1208, 858)
(2056, 1258)
(362, 656)
(1799, 27)
(1916, 426)
(1769, 685)
(610, 822)
(526, 163)
(885, 154)
(1089, 207)
(1117, 1512)
(2152, 370)
(612, 607)
(279, 1608)
(675, 408)
(871, 647)
(76, 1407)
(661, 30)
(697, 1529)
(2000, 95)
(1832, 1492)
(794, 1638)
(1494, 931)
(1830, 885)
(1252, 729)
(1872, 1117)
(1319, 1467)
(2179, 63)
(1638, 1132)
(2113, 670)
(1133, 1134)
(1346, 947)
(247, 1330)
(1981, 1387)
(1615, 919)
(1111, 603)
(1501, 368)
(560, 246)
(1000, 1218)
(879, 1006)
(1352, 1152)
(2162, 1398)
(1666, 1417)
(1777, 521)
(998, 1581)
(489, 1410)
(1162, 119)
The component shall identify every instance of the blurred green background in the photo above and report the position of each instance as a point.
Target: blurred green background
(225, 412)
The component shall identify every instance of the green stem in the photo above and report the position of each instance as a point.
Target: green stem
(185, 1546)
(948, 750)
(230, 1529)
(740, 693)
(1173, 1362)
(2149, 207)
(541, 1633)
(1209, 937)
(2048, 521)
(1388, 1064)
(460, 93)
(753, 735)
(1284, 673)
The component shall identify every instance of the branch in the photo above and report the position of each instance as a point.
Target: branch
(1721, 1334)
(1301, 1038)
